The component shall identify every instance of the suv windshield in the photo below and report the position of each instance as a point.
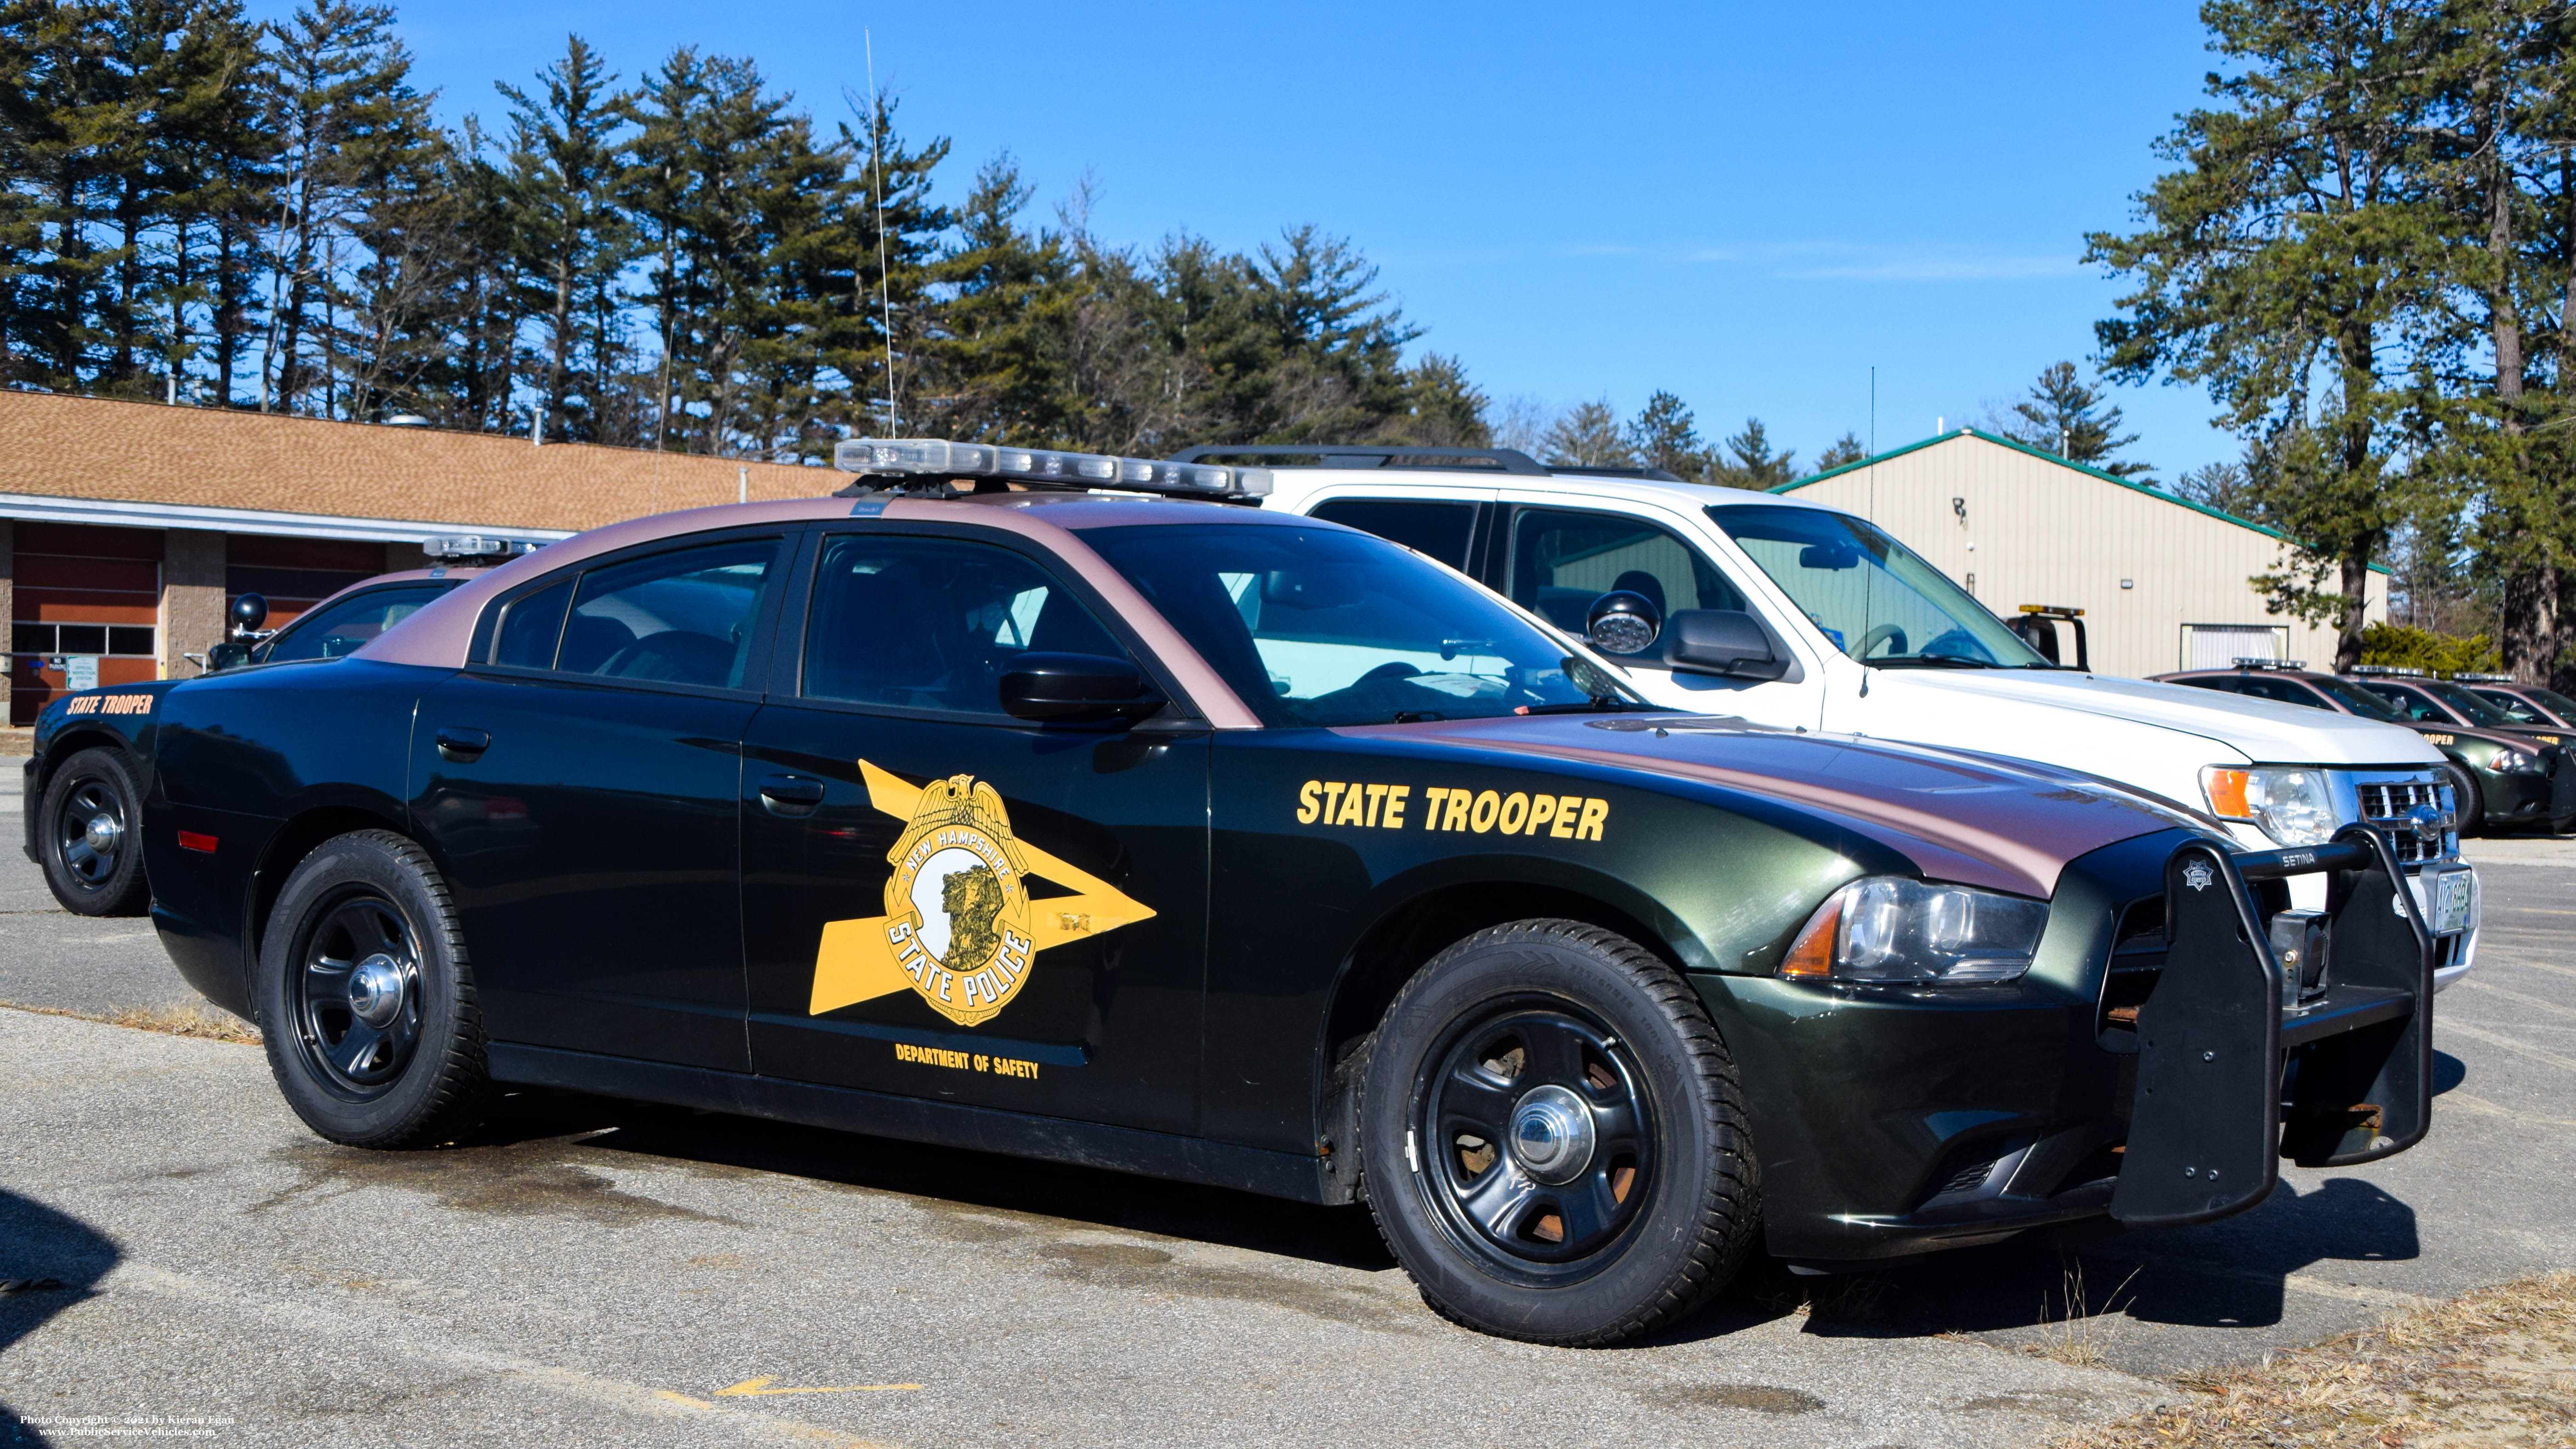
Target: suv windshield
(1872, 596)
(1328, 626)
(2467, 705)
(2357, 699)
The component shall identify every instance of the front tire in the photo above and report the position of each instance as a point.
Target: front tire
(1553, 1138)
(365, 998)
(2471, 816)
(91, 836)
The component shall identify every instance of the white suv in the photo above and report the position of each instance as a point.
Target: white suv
(1798, 615)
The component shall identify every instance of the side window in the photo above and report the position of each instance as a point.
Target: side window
(2416, 706)
(2284, 690)
(2514, 709)
(1563, 560)
(2211, 681)
(934, 623)
(1439, 530)
(348, 624)
(530, 625)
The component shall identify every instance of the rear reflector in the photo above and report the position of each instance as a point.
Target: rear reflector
(191, 840)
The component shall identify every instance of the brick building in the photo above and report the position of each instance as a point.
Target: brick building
(126, 528)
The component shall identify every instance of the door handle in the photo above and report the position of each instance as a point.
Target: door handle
(462, 746)
(790, 794)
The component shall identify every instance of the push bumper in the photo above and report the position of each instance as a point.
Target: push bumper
(2245, 1058)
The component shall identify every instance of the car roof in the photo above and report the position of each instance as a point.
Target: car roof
(1669, 492)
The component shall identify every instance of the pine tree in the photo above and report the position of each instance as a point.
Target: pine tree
(1752, 464)
(1586, 435)
(1842, 453)
(1663, 435)
(1443, 408)
(2281, 265)
(2065, 416)
(569, 237)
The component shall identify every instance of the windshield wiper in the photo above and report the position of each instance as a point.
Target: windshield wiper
(1931, 661)
(1598, 704)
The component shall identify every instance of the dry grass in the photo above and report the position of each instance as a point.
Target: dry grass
(192, 1019)
(2080, 1336)
(2492, 1368)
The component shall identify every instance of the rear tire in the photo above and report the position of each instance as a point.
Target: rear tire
(91, 836)
(1553, 1139)
(365, 999)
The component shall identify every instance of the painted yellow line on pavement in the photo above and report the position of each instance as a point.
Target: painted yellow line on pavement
(749, 1387)
(2508, 1043)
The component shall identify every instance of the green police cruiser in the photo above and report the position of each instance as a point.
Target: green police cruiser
(1064, 806)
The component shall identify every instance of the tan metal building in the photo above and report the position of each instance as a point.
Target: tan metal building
(127, 527)
(2164, 583)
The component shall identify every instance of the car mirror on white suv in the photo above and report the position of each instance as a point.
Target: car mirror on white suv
(1721, 641)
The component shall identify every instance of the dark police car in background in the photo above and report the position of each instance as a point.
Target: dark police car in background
(1176, 837)
(86, 782)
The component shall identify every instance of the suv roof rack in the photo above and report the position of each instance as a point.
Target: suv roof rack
(1389, 455)
(1368, 455)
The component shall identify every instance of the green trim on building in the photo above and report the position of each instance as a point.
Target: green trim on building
(2046, 457)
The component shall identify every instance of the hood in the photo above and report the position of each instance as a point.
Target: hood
(2266, 732)
(1959, 817)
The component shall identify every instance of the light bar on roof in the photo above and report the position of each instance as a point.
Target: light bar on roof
(1044, 467)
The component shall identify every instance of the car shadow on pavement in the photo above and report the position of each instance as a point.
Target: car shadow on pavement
(2227, 1274)
(1339, 1236)
(48, 1262)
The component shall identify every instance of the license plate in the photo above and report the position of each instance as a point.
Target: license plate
(2451, 897)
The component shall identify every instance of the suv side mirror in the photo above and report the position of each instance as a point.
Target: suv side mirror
(226, 656)
(1721, 641)
(1078, 689)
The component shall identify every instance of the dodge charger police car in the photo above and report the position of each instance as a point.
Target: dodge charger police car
(1179, 837)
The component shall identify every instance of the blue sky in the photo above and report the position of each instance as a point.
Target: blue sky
(1748, 205)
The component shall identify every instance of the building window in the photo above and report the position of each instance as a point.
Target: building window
(115, 640)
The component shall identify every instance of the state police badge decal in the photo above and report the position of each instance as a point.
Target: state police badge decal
(959, 928)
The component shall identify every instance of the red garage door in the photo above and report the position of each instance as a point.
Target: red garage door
(82, 593)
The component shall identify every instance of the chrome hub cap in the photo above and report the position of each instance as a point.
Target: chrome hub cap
(102, 833)
(376, 990)
(1552, 1134)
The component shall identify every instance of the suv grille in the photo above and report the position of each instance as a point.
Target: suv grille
(2385, 803)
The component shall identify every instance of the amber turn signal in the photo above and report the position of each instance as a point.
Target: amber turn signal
(2226, 790)
(1812, 954)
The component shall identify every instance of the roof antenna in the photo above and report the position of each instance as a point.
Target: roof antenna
(876, 177)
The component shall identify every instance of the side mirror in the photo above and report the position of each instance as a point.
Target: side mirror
(1623, 622)
(249, 611)
(226, 656)
(1721, 641)
(1078, 689)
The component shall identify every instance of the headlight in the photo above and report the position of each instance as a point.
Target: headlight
(2289, 803)
(1890, 928)
(2514, 762)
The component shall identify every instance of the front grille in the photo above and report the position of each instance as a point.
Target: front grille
(2386, 803)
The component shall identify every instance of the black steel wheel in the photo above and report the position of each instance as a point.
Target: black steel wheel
(1553, 1139)
(365, 998)
(91, 836)
(1540, 1139)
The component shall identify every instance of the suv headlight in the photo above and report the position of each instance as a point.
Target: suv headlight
(2290, 803)
(1891, 928)
(2514, 762)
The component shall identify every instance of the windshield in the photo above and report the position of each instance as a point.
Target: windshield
(2468, 706)
(340, 628)
(1327, 626)
(1873, 597)
(2556, 703)
(2359, 700)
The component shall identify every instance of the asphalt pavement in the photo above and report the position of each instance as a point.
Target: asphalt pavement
(586, 1271)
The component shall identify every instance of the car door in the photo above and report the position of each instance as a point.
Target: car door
(579, 783)
(1557, 560)
(942, 901)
